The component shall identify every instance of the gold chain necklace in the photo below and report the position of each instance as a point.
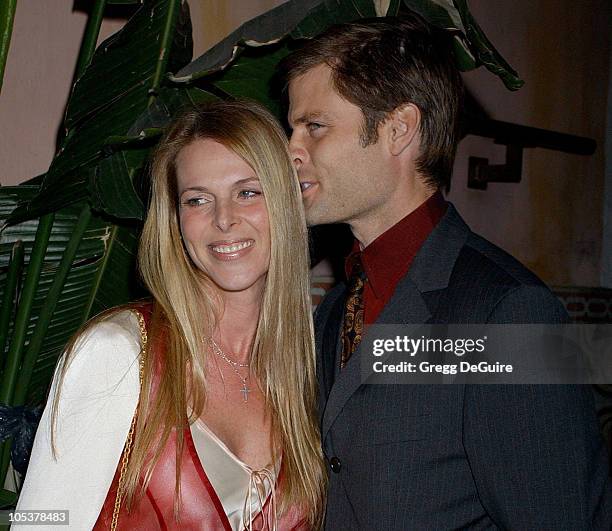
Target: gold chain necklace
(235, 367)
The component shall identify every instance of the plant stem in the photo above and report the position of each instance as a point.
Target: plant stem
(119, 141)
(24, 308)
(37, 256)
(13, 275)
(44, 318)
(100, 273)
(7, 16)
(90, 38)
(164, 51)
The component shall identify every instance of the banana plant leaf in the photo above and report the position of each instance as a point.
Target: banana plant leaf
(119, 180)
(483, 51)
(7, 498)
(297, 18)
(300, 19)
(101, 273)
(116, 88)
(107, 99)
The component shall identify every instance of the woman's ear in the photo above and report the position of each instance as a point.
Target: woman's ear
(402, 127)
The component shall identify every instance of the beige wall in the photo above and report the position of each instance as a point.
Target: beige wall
(44, 46)
(214, 19)
(552, 220)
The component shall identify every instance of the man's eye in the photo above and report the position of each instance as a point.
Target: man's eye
(248, 194)
(313, 126)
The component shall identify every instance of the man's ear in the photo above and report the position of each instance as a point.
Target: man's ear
(402, 127)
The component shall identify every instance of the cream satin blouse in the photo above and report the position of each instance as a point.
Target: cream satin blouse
(241, 490)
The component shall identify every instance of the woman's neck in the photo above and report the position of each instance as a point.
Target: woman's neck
(237, 325)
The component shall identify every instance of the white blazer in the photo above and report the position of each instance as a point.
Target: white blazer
(97, 402)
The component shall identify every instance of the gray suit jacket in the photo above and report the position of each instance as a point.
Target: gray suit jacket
(416, 457)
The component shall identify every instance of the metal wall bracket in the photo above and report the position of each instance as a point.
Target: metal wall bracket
(480, 172)
(516, 138)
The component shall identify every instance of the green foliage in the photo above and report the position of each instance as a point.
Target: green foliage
(7, 499)
(96, 252)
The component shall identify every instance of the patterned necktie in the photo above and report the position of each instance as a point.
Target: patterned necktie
(352, 326)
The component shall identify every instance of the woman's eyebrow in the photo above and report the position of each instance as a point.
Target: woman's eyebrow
(193, 189)
(247, 180)
(200, 188)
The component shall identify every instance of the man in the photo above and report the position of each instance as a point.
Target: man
(373, 111)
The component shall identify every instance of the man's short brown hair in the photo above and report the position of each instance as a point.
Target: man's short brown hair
(382, 64)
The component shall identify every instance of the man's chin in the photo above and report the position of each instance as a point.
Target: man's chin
(319, 213)
(313, 216)
(319, 218)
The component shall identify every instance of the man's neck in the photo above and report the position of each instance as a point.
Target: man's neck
(370, 226)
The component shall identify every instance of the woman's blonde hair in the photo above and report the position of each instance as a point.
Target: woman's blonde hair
(186, 308)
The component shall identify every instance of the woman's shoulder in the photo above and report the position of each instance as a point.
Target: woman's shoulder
(106, 349)
(116, 328)
(95, 397)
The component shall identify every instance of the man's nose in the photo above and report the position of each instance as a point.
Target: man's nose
(226, 215)
(298, 152)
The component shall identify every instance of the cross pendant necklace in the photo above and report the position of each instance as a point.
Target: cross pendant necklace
(245, 391)
(235, 367)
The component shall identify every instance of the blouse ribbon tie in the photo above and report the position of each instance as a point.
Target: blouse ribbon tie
(257, 484)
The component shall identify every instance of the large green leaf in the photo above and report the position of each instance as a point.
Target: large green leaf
(331, 12)
(66, 181)
(100, 274)
(116, 185)
(128, 59)
(8, 499)
(7, 16)
(112, 184)
(251, 76)
(306, 18)
(472, 48)
(267, 28)
(115, 89)
(484, 51)
(300, 19)
(440, 13)
(257, 47)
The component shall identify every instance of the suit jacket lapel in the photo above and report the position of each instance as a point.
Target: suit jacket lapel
(430, 271)
(329, 350)
(406, 306)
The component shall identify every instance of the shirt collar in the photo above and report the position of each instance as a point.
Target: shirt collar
(387, 259)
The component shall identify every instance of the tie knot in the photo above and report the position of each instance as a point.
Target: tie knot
(356, 267)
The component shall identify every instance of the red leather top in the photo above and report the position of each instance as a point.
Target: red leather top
(201, 508)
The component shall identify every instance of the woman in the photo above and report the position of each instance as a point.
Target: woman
(224, 354)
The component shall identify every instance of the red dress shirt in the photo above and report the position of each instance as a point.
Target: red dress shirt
(388, 258)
